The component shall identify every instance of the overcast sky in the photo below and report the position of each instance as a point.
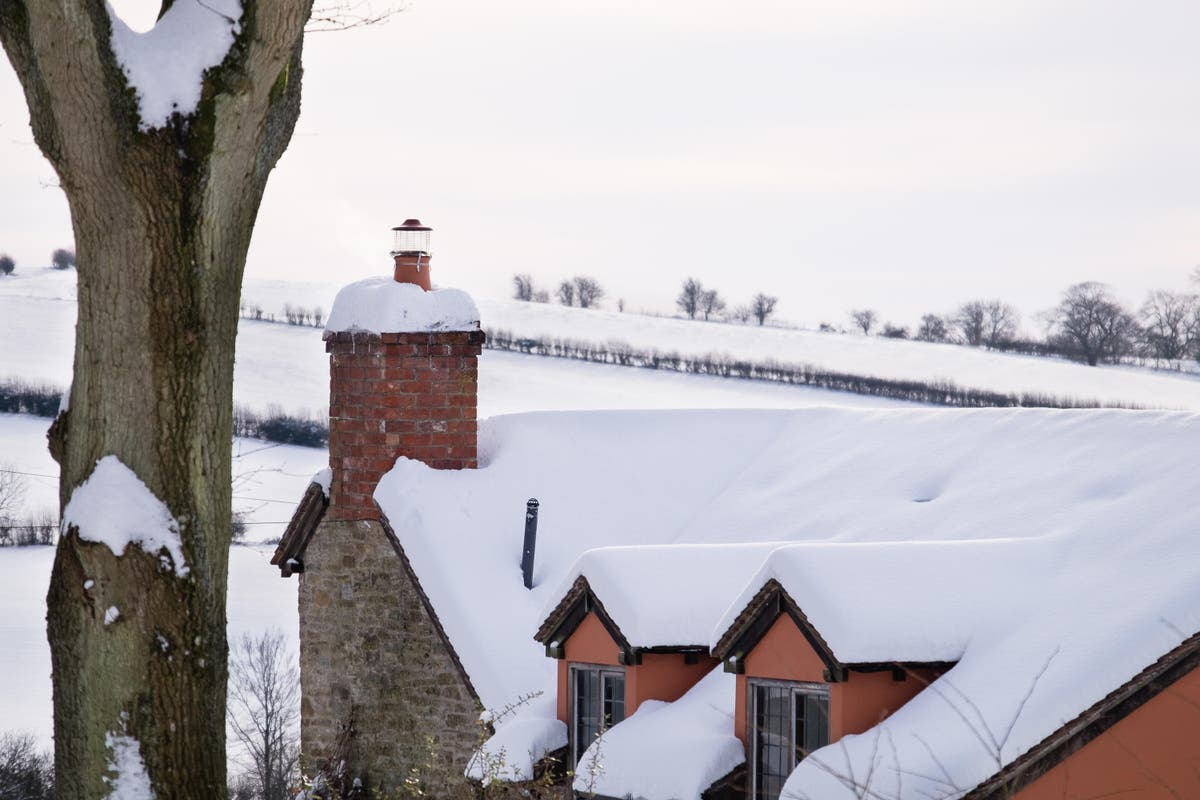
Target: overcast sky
(898, 154)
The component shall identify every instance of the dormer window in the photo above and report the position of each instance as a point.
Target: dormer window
(788, 720)
(597, 703)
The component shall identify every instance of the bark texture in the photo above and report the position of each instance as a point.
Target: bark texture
(162, 221)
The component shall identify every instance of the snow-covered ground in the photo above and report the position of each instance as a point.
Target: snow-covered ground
(886, 358)
(36, 310)
(286, 366)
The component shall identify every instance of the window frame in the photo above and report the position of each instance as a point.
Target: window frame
(797, 689)
(574, 668)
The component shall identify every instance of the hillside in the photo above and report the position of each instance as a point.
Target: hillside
(974, 368)
(39, 312)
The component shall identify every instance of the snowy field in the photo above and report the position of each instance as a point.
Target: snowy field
(885, 358)
(38, 310)
(286, 366)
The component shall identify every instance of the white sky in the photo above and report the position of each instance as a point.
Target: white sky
(899, 154)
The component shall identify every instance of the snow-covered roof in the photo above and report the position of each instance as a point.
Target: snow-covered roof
(881, 602)
(381, 305)
(1106, 499)
(665, 595)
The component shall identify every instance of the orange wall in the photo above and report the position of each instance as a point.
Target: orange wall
(855, 706)
(660, 676)
(1152, 753)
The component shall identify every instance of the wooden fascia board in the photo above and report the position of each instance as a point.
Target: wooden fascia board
(769, 605)
(299, 532)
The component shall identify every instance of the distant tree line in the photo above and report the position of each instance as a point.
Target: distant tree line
(581, 291)
(273, 425)
(1089, 324)
(695, 300)
(292, 315)
(936, 392)
(62, 258)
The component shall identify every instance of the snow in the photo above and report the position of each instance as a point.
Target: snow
(629, 584)
(666, 751)
(324, 479)
(924, 627)
(166, 64)
(1091, 510)
(114, 508)
(129, 780)
(522, 739)
(887, 358)
(111, 615)
(381, 305)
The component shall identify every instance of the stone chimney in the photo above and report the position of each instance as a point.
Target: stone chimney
(403, 377)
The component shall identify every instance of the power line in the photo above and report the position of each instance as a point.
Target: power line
(235, 497)
(30, 474)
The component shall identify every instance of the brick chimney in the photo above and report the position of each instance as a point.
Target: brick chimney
(403, 370)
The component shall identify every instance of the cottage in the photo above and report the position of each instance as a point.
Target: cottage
(984, 603)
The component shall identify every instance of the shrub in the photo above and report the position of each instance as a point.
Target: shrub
(62, 258)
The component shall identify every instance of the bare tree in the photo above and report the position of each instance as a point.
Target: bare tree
(689, 297)
(342, 15)
(62, 258)
(541, 296)
(588, 291)
(864, 318)
(711, 303)
(566, 293)
(999, 322)
(162, 210)
(26, 773)
(1091, 322)
(264, 711)
(762, 306)
(7, 264)
(523, 287)
(1171, 324)
(12, 490)
(971, 322)
(742, 314)
(933, 329)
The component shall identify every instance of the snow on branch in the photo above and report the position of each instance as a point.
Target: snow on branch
(114, 507)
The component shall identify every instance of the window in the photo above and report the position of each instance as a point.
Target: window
(788, 721)
(597, 703)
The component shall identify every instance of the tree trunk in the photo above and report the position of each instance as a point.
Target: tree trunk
(162, 221)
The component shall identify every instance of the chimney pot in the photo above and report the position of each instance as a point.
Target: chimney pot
(410, 250)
